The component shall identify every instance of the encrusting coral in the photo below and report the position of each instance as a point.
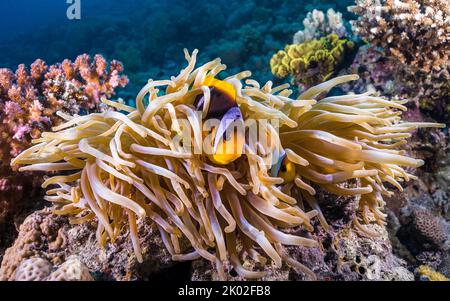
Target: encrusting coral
(317, 24)
(120, 168)
(311, 62)
(415, 34)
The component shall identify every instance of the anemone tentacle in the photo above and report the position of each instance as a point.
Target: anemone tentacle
(121, 167)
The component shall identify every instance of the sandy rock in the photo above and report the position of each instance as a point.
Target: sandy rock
(51, 238)
(38, 231)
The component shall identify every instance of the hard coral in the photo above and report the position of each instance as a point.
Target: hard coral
(426, 231)
(416, 34)
(29, 100)
(369, 258)
(38, 269)
(39, 236)
(71, 270)
(50, 237)
(311, 62)
(127, 167)
(33, 269)
(317, 25)
(428, 274)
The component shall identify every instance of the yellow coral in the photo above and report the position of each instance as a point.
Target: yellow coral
(431, 274)
(311, 62)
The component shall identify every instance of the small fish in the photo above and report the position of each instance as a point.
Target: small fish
(283, 169)
(229, 137)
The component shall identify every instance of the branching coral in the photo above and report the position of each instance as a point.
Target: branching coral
(416, 35)
(120, 168)
(317, 25)
(311, 62)
(28, 102)
(29, 99)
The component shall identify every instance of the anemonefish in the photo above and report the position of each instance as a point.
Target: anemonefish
(284, 169)
(228, 138)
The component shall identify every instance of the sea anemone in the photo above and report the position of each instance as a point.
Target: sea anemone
(223, 192)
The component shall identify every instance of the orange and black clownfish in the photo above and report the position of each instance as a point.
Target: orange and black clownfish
(284, 169)
(228, 138)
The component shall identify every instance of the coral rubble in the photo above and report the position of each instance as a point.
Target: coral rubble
(317, 24)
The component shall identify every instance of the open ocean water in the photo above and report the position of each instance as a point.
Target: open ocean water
(149, 36)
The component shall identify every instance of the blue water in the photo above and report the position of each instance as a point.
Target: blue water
(149, 36)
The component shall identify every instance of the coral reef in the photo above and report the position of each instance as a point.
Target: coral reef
(375, 72)
(53, 240)
(38, 269)
(341, 254)
(415, 32)
(39, 236)
(311, 62)
(29, 100)
(127, 167)
(224, 28)
(415, 35)
(344, 254)
(369, 258)
(335, 236)
(317, 25)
